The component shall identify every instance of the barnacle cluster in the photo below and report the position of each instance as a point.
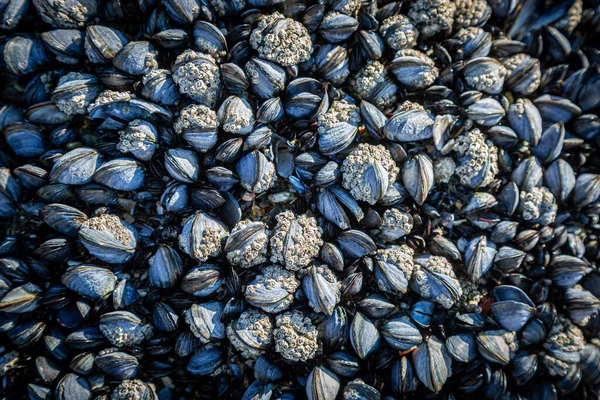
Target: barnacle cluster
(296, 240)
(295, 336)
(195, 116)
(281, 40)
(340, 111)
(477, 159)
(355, 166)
(369, 80)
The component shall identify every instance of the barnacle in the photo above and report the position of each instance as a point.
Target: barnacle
(538, 205)
(563, 342)
(296, 240)
(195, 116)
(477, 159)
(371, 78)
(251, 333)
(399, 32)
(281, 40)
(295, 336)
(249, 253)
(432, 16)
(354, 169)
(197, 75)
(471, 13)
(340, 111)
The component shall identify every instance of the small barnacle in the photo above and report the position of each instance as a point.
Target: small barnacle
(357, 175)
(197, 75)
(443, 169)
(538, 205)
(272, 290)
(374, 83)
(247, 244)
(295, 336)
(399, 32)
(251, 334)
(296, 240)
(395, 224)
(281, 40)
(471, 13)
(562, 345)
(477, 159)
(432, 16)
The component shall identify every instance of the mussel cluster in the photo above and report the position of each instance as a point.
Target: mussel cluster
(289, 199)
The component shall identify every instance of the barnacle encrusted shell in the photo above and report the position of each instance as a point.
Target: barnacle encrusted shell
(399, 32)
(296, 240)
(140, 140)
(251, 334)
(517, 64)
(77, 103)
(109, 96)
(195, 116)
(132, 389)
(295, 336)
(439, 265)
(197, 75)
(538, 204)
(354, 169)
(109, 223)
(252, 252)
(281, 40)
(564, 337)
(272, 289)
(432, 16)
(472, 295)
(340, 111)
(363, 84)
(399, 256)
(396, 221)
(477, 159)
(202, 236)
(471, 13)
